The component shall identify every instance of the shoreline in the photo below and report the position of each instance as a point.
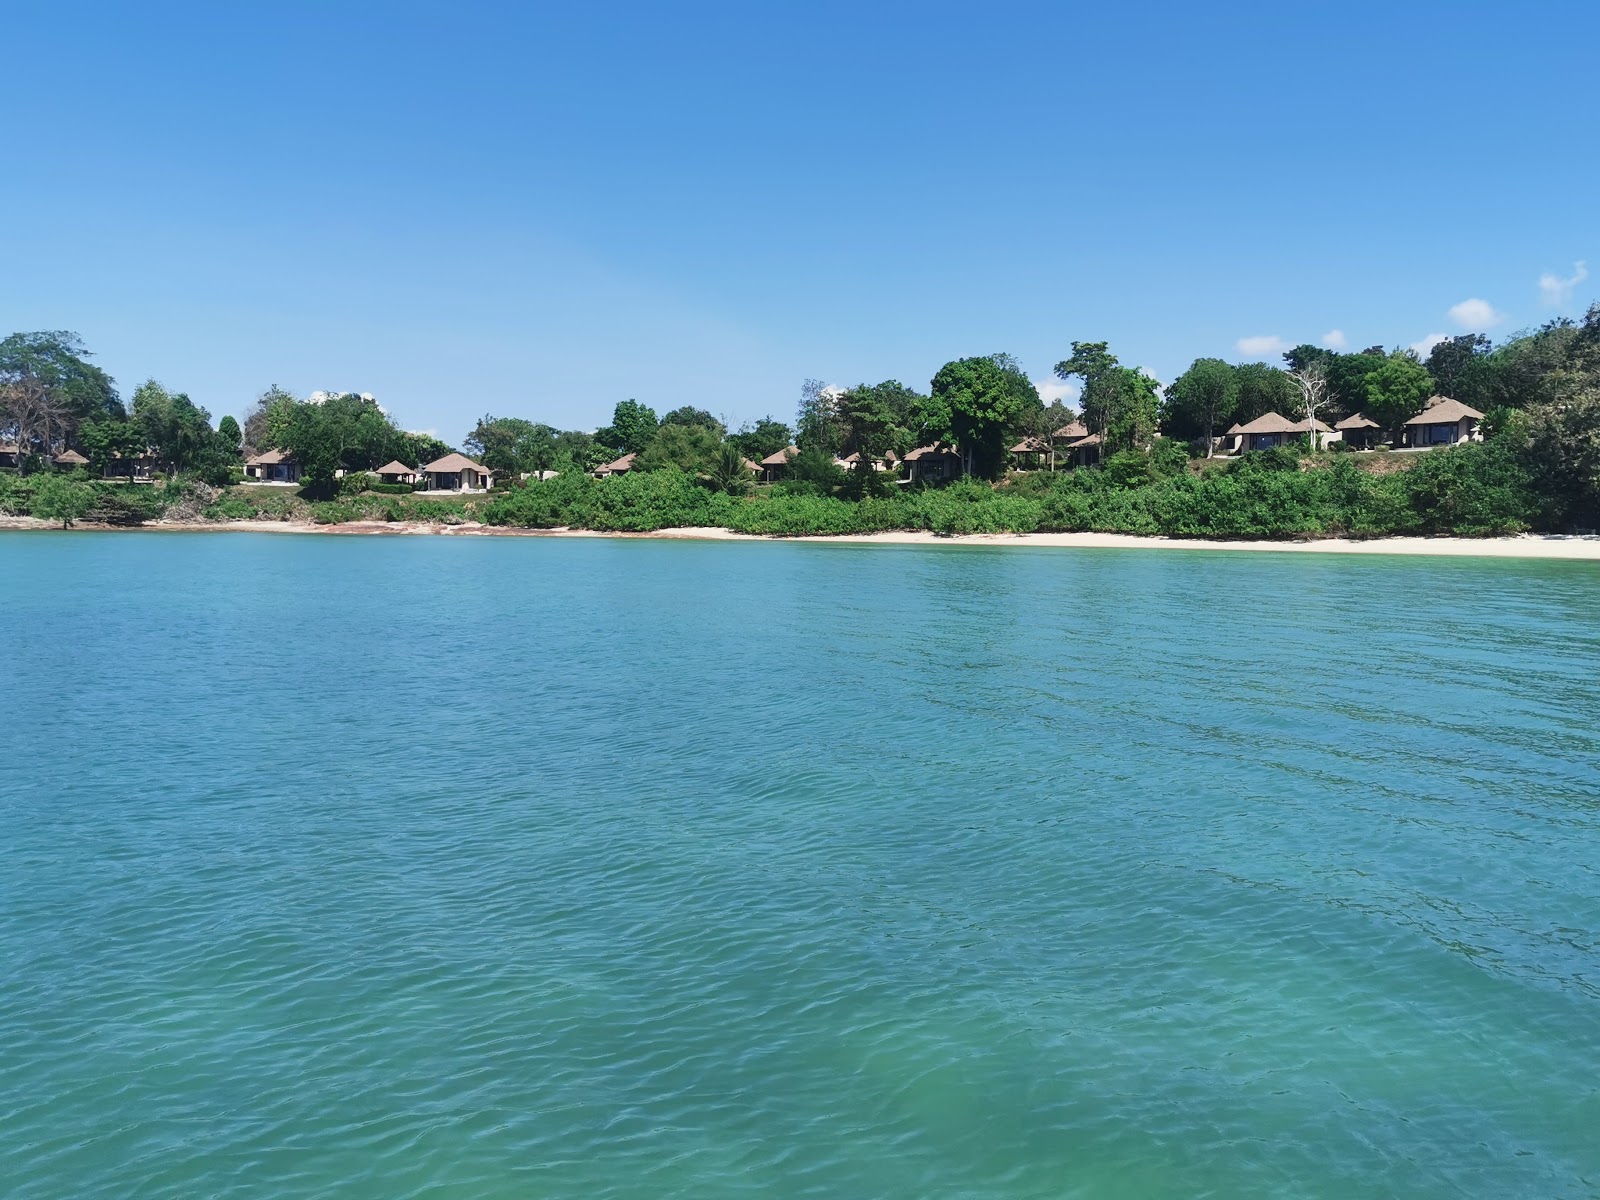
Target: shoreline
(1570, 547)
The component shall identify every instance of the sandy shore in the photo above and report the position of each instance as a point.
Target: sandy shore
(1548, 546)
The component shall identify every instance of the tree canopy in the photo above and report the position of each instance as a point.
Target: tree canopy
(988, 398)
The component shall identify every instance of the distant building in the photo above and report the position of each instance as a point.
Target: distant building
(1443, 423)
(396, 472)
(1360, 432)
(933, 464)
(1271, 430)
(774, 466)
(70, 460)
(458, 473)
(272, 466)
(620, 466)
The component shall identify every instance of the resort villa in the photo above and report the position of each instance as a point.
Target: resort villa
(70, 460)
(396, 472)
(1269, 431)
(933, 464)
(1359, 432)
(1443, 423)
(457, 473)
(272, 466)
(620, 466)
(773, 466)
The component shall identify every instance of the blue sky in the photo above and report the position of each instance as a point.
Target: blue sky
(539, 210)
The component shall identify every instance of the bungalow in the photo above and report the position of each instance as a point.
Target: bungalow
(70, 460)
(849, 461)
(458, 473)
(272, 466)
(1271, 430)
(1443, 423)
(1082, 452)
(396, 472)
(10, 456)
(1030, 452)
(933, 464)
(773, 466)
(620, 467)
(1359, 432)
(136, 468)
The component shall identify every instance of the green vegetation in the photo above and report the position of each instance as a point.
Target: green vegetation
(1153, 472)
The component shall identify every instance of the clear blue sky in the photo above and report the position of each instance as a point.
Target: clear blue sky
(538, 210)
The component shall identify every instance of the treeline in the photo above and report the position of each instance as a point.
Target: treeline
(1539, 466)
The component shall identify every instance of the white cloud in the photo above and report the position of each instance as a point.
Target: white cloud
(1051, 390)
(1475, 315)
(1426, 345)
(1555, 291)
(1262, 347)
(1335, 339)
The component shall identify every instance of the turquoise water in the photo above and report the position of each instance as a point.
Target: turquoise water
(450, 867)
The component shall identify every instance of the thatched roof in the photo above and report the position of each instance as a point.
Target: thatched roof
(781, 457)
(1072, 432)
(619, 467)
(269, 458)
(451, 463)
(71, 458)
(1443, 411)
(397, 468)
(936, 450)
(1278, 423)
(1359, 421)
(1030, 445)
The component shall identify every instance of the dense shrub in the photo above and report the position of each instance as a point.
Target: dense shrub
(391, 489)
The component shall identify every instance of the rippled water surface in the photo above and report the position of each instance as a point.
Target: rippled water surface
(453, 867)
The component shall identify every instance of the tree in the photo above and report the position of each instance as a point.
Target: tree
(511, 445)
(106, 441)
(416, 449)
(766, 436)
(33, 415)
(816, 424)
(873, 423)
(582, 451)
(1563, 452)
(177, 429)
(1451, 361)
(690, 448)
(267, 420)
(1306, 355)
(229, 432)
(986, 397)
(1201, 399)
(1093, 363)
(346, 432)
(57, 498)
(728, 473)
(1312, 381)
(633, 426)
(697, 417)
(74, 389)
(1396, 390)
(1262, 389)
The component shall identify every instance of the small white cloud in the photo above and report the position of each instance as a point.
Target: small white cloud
(1335, 339)
(1426, 345)
(1475, 315)
(1051, 390)
(1262, 347)
(1555, 291)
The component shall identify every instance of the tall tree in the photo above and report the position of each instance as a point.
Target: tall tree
(633, 427)
(267, 420)
(698, 417)
(1262, 389)
(1396, 390)
(766, 436)
(986, 397)
(1200, 400)
(511, 446)
(1451, 362)
(1094, 364)
(816, 423)
(58, 362)
(1312, 381)
(345, 432)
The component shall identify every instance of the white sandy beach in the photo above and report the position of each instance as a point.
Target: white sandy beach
(1544, 546)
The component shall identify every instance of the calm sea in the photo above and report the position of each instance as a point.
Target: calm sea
(451, 867)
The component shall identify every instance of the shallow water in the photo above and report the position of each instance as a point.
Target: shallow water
(387, 867)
